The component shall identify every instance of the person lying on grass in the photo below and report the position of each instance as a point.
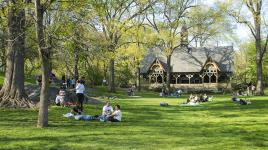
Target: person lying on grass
(74, 112)
(77, 110)
(77, 113)
(235, 99)
(116, 115)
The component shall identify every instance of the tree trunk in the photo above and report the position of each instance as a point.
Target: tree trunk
(44, 55)
(111, 86)
(12, 93)
(76, 59)
(259, 87)
(3, 51)
(138, 80)
(168, 73)
(104, 71)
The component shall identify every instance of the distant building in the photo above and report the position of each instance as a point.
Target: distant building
(191, 68)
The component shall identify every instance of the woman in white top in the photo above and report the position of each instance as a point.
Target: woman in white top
(116, 115)
(107, 109)
(80, 88)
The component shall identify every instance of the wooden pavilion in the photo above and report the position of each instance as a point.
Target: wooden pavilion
(191, 68)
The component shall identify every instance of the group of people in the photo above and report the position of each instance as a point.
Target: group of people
(131, 90)
(164, 93)
(198, 99)
(79, 90)
(251, 88)
(108, 114)
(70, 82)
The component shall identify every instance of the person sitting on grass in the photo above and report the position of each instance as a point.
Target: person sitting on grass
(205, 98)
(116, 116)
(201, 98)
(130, 92)
(190, 99)
(59, 100)
(60, 97)
(179, 92)
(107, 110)
(196, 99)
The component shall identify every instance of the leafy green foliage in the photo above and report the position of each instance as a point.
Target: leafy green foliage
(245, 63)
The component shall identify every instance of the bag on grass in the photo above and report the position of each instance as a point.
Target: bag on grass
(163, 104)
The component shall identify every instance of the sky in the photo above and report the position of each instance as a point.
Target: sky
(242, 32)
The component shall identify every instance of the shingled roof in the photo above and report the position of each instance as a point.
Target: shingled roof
(192, 59)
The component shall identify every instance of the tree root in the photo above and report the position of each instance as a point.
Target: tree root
(8, 102)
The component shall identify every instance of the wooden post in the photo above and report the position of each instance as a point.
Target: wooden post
(177, 78)
(189, 77)
(209, 75)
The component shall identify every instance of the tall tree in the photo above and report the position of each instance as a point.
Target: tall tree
(139, 37)
(112, 19)
(44, 54)
(208, 26)
(251, 14)
(245, 63)
(167, 18)
(12, 93)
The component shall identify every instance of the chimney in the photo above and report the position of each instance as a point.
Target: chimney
(184, 35)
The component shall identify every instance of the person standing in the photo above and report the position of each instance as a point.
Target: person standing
(104, 82)
(253, 88)
(248, 90)
(73, 83)
(68, 82)
(83, 80)
(63, 79)
(80, 88)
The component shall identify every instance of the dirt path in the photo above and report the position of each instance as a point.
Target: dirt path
(33, 92)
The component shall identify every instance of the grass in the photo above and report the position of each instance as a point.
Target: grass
(28, 80)
(215, 125)
(120, 93)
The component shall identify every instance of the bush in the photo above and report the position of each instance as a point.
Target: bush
(240, 87)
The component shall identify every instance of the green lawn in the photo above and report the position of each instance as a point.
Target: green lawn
(216, 125)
